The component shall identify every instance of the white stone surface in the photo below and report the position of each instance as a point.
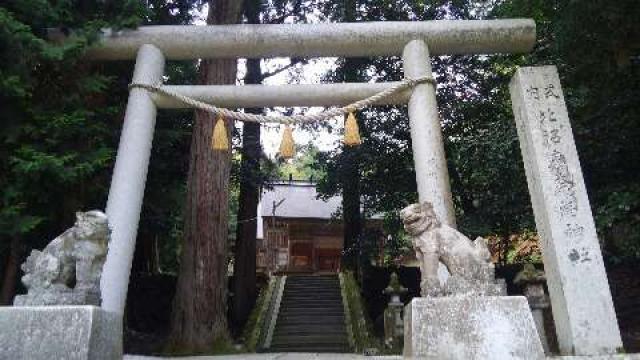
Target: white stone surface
(538, 318)
(581, 300)
(432, 175)
(329, 39)
(598, 357)
(232, 96)
(129, 178)
(60, 332)
(470, 327)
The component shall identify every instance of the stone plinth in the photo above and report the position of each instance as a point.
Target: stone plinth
(598, 357)
(470, 327)
(580, 298)
(59, 332)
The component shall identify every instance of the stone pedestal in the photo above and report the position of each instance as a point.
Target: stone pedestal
(470, 327)
(60, 332)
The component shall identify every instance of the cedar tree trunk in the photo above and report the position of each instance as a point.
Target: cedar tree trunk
(244, 271)
(200, 304)
(10, 275)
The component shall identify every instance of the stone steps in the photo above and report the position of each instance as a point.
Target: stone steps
(311, 348)
(309, 334)
(310, 340)
(313, 312)
(311, 317)
(324, 301)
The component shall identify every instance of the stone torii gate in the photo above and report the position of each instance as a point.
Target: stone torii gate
(416, 42)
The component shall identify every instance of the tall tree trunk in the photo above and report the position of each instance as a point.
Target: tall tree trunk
(244, 271)
(10, 275)
(200, 305)
(351, 173)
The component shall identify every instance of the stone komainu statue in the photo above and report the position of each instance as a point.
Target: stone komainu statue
(67, 271)
(468, 262)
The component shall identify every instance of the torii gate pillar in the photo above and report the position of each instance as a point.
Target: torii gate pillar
(432, 176)
(129, 178)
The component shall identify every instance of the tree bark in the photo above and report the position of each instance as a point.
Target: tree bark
(244, 271)
(245, 255)
(200, 305)
(10, 275)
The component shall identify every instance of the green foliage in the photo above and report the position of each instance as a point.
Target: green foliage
(358, 323)
(397, 244)
(54, 139)
(303, 166)
(618, 223)
(61, 118)
(600, 76)
(256, 327)
(488, 183)
(523, 248)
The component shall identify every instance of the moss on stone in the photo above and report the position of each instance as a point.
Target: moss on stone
(358, 322)
(254, 328)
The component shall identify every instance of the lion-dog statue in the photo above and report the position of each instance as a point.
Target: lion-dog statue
(67, 271)
(468, 262)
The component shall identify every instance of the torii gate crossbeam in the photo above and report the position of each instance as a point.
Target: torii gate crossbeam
(388, 38)
(414, 41)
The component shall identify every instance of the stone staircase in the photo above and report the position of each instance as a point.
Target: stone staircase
(311, 316)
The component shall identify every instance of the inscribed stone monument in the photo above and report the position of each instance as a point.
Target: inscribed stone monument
(581, 301)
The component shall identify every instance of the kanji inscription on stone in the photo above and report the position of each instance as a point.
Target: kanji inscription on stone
(581, 300)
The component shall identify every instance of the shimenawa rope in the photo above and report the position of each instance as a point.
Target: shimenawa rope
(286, 119)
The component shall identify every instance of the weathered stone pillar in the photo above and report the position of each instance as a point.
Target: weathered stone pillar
(128, 181)
(583, 311)
(393, 323)
(532, 282)
(432, 176)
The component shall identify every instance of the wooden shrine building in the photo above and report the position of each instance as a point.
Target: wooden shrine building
(297, 232)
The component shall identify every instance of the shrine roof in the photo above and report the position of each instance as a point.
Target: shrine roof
(299, 199)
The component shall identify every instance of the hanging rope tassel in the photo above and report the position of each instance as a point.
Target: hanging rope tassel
(287, 146)
(351, 131)
(219, 140)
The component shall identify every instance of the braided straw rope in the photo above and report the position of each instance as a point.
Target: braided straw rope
(284, 119)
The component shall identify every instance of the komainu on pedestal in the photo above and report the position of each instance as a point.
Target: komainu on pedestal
(469, 262)
(467, 316)
(67, 271)
(60, 317)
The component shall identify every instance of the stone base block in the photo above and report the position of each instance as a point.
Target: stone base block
(60, 332)
(470, 327)
(598, 357)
